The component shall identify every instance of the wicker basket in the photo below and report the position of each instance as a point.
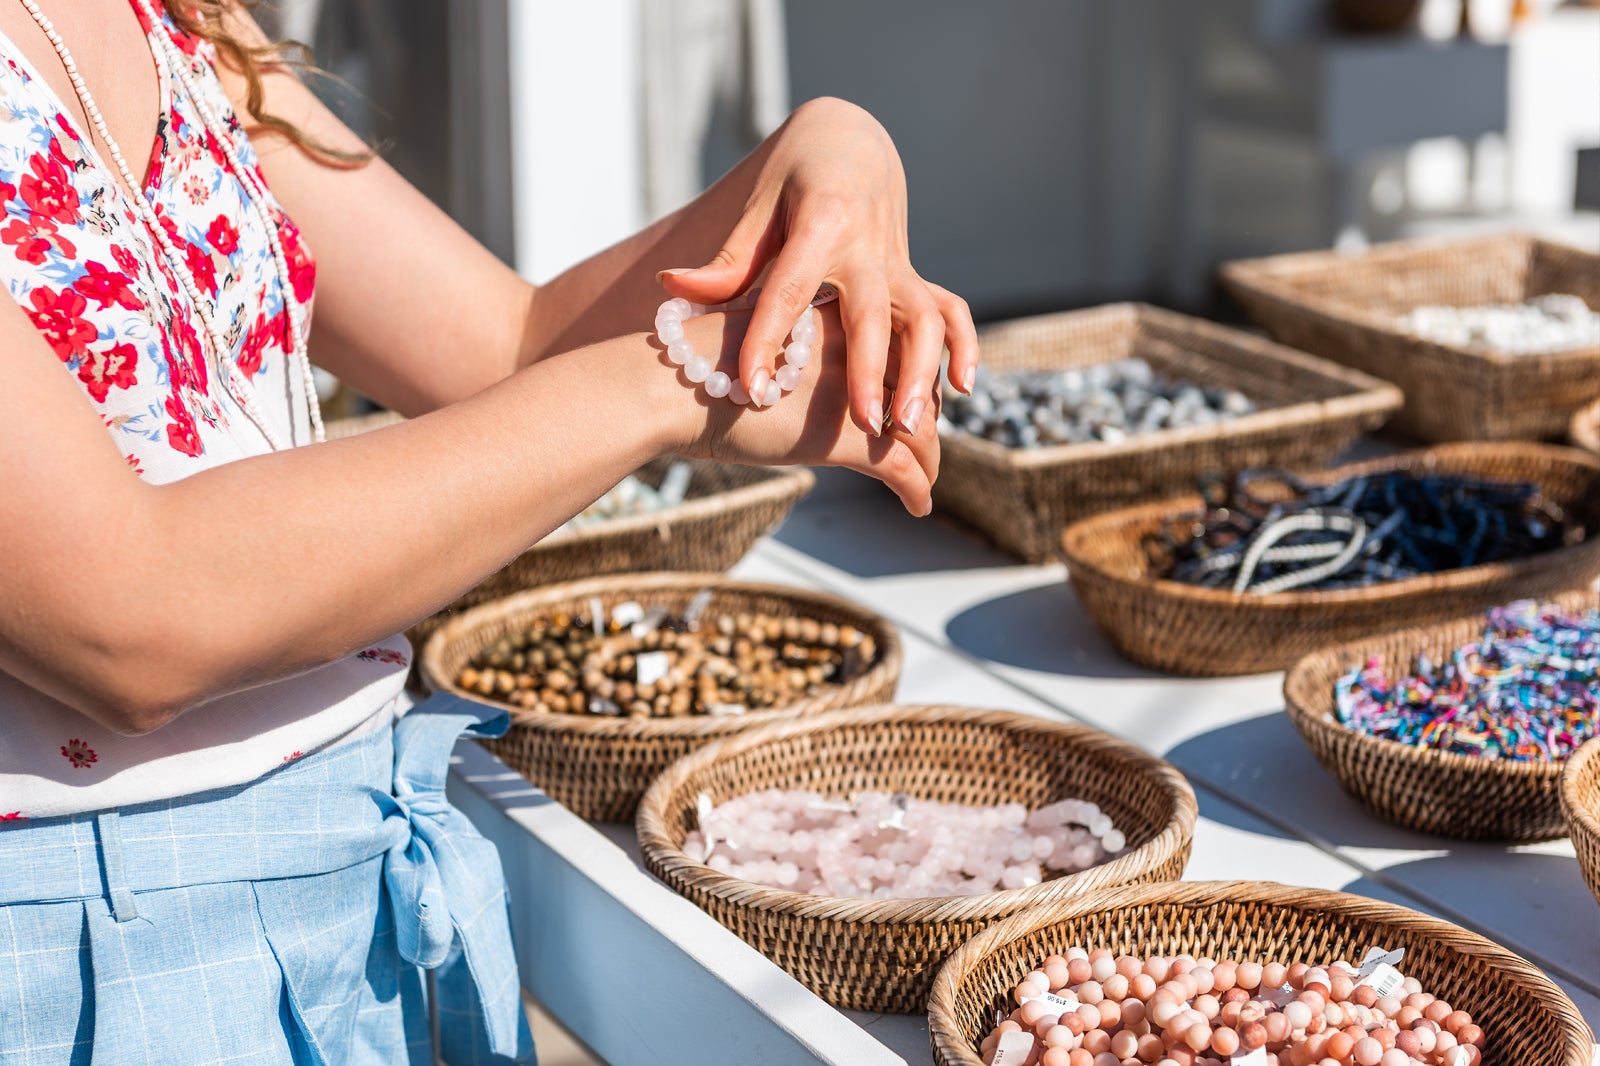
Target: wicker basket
(1346, 307)
(599, 767)
(1528, 1019)
(1585, 429)
(727, 510)
(1580, 803)
(1186, 629)
(880, 955)
(1420, 788)
(1021, 498)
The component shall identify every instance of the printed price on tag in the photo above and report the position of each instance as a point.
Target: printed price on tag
(651, 666)
(1258, 1057)
(1014, 1049)
(1060, 1004)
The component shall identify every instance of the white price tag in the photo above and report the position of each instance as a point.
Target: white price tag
(1377, 957)
(1279, 997)
(1457, 1056)
(1013, 1049)
(625, 614)
(1258, 1057)
(651, 666)
(839, 806)
(702, 806)
(1060, 1004)
(1384, 979)
(597, 614)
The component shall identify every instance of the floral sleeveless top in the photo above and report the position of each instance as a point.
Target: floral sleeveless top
(88, 272)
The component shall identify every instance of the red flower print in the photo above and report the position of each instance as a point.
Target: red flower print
(66, 127)
(59, 316)
(107, 287)
(255, 342)
(34, 238)
(190, 367)
(382, 655)
(222, 235)
(133, 461)
(292, 756)
(194, 186)
(14, 816)
(302, 268)
(48, 189)
(202, 266)
(79, 754)
(182, 434)
(103, 370)
(8, 192)
(125, 259)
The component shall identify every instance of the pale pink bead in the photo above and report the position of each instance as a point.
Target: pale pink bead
(805, 330)
(683, 307)
(697, 369)
(679, 352)
(797, 354)
(669, 329)
(737, 392)
(773, 394)
(718, 385)
(788, 378)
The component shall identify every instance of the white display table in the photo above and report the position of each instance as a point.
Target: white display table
(644, 977)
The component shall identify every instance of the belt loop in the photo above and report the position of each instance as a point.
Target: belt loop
(112, 867)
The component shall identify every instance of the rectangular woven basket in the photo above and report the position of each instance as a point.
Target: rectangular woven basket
(1347, 306)
(1311, 410)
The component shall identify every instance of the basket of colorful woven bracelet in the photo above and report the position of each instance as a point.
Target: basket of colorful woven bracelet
(1255, 573)
(1580, 805)
(1460, 728)
(1585, 428)
(670, 515)
(1490, 338)
(1207, 973)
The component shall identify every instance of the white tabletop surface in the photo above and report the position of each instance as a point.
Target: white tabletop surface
(981, 629)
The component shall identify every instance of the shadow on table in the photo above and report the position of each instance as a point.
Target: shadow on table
(1263, 765)
(1043, 628)
(854, 524)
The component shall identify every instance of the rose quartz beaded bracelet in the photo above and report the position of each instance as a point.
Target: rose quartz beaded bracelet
(671, 316)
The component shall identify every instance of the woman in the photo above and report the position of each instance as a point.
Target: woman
(224, 840)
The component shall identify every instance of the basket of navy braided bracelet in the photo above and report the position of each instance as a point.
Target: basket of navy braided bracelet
(1115, 564)
(1393, 312)
(1580, 804)
(1525, 1017)
(723, 511)
(1424, 778)
(1295, 411)
(1585, 429)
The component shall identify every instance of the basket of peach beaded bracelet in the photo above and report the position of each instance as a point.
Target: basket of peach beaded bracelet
(725, 510)
(599, 764)
(880, 954)
(1580, 805)
(1585, 429)
(1521, 1017)
(1432, 791)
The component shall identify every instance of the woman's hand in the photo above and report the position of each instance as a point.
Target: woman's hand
(828, 203)
(810, 424)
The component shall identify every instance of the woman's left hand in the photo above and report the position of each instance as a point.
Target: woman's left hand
(828, 204)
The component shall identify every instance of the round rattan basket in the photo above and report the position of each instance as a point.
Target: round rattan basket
(1185, 629)
(880, 955)
(599, 766)
(1580, 803)
(1420, 788)
(1585, 428)
(1528, 1019)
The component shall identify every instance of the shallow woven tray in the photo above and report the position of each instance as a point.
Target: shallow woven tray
(1580, 804)
(1022, 497)
(1528, 1019)
(727, 510)
(1186, 629)
(599, 766)
(1345, 307)
(1431, 791)
(1585, 429)
(880, 955)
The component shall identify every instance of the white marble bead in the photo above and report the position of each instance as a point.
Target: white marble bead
(798, 354)
(679, 352)
(773, 395)
(684, 308)
(805, 331)
(697, 369)
(718, 384)
(737, 392)
(787, 377)
(669, 329)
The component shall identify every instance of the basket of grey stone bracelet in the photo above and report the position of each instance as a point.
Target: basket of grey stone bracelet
(1264, 568)
(1490, 338)
(1081, 412)
(685, 515)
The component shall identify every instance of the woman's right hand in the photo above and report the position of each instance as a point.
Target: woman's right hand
(812, 424)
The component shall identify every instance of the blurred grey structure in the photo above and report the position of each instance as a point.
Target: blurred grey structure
(1059, 152)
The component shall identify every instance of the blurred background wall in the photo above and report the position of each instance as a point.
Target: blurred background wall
(1059, 152)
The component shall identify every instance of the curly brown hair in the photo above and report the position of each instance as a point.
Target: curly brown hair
(208, 19)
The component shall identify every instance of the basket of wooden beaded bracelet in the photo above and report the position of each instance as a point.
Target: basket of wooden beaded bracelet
(1580, 805)
(611, 679)
(1198, 972)
(685, 515)
(1191, 586)
(1084, 411)
(1459, 728)
(857, 849)
(1490, 338)
(1585, 429)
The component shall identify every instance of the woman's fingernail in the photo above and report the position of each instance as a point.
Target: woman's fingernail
(875, 418)
(672, 273)
(911, 416)
(758, 386)
(969, 378)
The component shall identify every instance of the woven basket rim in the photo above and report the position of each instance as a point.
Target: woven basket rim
(1221, 893)
(1585, 429)
(1366, 394)
(1577, 768)
(1085, 530)
(1322, 720)
(438, 677)
(669, 855)
(1266, 275)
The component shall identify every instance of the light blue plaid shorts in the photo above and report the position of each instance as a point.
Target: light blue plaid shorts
(288, 920)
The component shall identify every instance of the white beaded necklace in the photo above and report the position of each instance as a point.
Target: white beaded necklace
(168, 60)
